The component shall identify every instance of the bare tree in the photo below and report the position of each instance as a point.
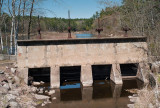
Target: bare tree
(24, 7)
(1, 18)
(30, 19)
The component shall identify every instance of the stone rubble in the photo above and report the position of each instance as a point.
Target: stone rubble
(15, 94)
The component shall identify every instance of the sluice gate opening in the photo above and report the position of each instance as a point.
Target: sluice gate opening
(39, 74)
(129, 69)
(70, 73)
(70, 87)
(101, 72)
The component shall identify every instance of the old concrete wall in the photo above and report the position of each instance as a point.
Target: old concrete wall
(81, 54)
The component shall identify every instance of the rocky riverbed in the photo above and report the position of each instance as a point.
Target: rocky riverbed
(16, 94)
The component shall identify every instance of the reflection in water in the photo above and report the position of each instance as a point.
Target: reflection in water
(103, 94)
(101, 89)
(70, 91)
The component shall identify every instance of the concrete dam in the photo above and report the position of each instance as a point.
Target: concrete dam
(114, 55)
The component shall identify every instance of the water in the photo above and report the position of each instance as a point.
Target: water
(103, 94)
(84, 35)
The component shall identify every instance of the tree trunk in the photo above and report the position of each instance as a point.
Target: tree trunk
(24, 7)
(11, 42)
(17, 29)
(30, 20)
(1, 39)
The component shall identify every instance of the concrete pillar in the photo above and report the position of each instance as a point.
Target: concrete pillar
(142, 69)
(87, 93)
(86, 75)
(116, 90)
(116, 74)
(23, 73)
(55, 77)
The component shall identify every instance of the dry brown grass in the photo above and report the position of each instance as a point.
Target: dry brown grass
(146, 99)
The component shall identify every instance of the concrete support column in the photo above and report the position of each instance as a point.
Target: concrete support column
(55, 77)
(116, 74)
(142, 68)
(23, 73)
(86, 75)
(87, 93)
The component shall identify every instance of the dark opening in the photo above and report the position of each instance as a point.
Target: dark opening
(101, 72)
(129, 69)
(70, 83)
(39, 74)
(70, 73)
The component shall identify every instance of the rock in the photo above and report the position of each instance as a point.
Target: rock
(14, 93)
(41, 82)
(13, 70)
(3, 90)
(135, 95)
(6, 85)
(46, 91)
(36, 83)
(155, 67)
(17, 80)
(41, 97)
(9, 78)
(11, 97)
(43, 104)
(10, 85)
(40, 90)
(133, 100)
(7, 67)
(54, 98)
(51, 92)
(33, 89)
(150, 105)
(13, 104)
(130, 106)
(2, 77)
(1, 72)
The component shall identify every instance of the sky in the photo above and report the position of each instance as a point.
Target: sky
(78, 8)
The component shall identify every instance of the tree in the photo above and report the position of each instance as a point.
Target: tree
(30, 19)
(2, 19)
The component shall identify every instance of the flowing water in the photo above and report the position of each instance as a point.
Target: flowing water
(103, 94)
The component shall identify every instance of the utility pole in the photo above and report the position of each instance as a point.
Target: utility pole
(69, 24)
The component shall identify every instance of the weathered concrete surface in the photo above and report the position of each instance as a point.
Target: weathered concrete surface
(81, 52)
(143, 70)
(116, 74)
(86, 75)
(55, 77)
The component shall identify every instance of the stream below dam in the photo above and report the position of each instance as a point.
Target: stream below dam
(103, 94)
